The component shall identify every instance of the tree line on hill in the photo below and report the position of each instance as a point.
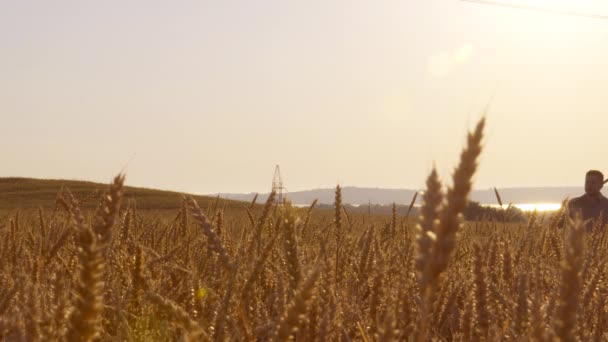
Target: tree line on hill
(474, 211)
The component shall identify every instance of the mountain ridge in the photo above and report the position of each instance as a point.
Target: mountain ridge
(18, 192)
(364, 195)
(23, 192)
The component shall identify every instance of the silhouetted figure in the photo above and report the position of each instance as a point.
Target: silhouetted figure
(592, 205)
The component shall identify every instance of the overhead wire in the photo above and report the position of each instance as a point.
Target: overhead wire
(537, 9)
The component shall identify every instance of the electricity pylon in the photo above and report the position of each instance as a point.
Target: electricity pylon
(277, 184)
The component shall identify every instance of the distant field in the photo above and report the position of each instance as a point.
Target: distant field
(205, 270)
(30, 193)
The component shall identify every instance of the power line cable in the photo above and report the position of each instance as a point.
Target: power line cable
(538, 9)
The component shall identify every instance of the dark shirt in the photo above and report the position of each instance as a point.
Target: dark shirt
(590, 208)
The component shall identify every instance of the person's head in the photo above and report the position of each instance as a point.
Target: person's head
(594, 180)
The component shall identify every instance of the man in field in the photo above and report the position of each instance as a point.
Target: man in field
(592, 205)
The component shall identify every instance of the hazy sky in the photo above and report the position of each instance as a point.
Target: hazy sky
(209, 95)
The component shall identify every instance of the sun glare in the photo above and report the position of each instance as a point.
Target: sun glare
(532, 206)
(539, 206)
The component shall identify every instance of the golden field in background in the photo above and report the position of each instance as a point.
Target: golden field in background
(106, 269)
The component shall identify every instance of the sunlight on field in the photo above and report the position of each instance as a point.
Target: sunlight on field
(533, 206)
(539, 206)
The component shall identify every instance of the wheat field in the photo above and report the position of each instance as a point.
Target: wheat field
(277, 273)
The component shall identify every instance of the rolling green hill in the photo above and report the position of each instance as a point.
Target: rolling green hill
(25, 193)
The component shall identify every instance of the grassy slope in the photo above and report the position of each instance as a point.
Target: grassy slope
(25, 194)
(32, 193)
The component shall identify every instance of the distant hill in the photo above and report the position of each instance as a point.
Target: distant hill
(358, 196)
(32, 193)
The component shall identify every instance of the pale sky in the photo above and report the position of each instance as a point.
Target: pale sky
(207, 96)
